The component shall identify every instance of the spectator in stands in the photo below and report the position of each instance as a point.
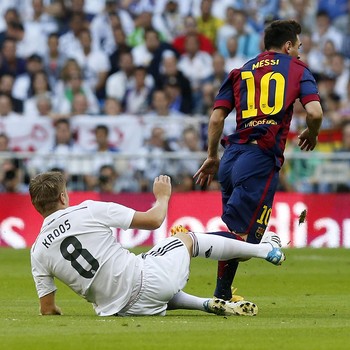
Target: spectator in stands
(304, 12)
(208, 93)
(10, 63)
(53, 59)
(337, 10)
(71, 66)
(150, 53)
(32, 40)
(118, 83)
(177, 85)
(110, 181)
(196, 65)
(339, 66)
(169, 21)
(190, 28)
(326, 31)
(207, 23)
(45, 108)
(342, 115)
(137, 97)
(39, 86)
(11, 179)
(64, 153)
(248, 39)
(22, 84)
(101, 26)
(345, 147)
(233, 59)
(11, 15)
(160, 105)
(190, 144)
(12, 172)
(69, 41)
(165, 118)
(310, 54)
(260, 12)
(121, 46)
(112, 107)
(4, 143)
(177, 102)
(107, 178)
(102, 154)
(80, 105)
(150, 161)
(328, 52)
(76, 86)
(6, 107)
(94, 63)
(40, 20)
(226, 31)
(143, 22)
(6, 88)
(219, 73)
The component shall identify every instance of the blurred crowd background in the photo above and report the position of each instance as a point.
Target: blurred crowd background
(158, 60)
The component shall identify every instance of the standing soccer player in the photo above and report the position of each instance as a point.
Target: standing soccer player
(263, 92)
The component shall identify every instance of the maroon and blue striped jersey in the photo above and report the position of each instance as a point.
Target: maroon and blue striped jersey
(263, 93)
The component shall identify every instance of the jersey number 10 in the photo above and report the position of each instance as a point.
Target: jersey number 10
(265, 84)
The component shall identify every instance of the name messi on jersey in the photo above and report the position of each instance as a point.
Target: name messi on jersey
(56, 232)
(264, 63)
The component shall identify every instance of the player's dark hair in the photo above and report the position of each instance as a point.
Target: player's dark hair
(277, 33)
(45, 190)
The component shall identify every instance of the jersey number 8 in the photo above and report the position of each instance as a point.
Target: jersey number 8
(73, 254)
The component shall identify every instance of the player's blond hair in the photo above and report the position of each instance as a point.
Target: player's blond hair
(45, 190)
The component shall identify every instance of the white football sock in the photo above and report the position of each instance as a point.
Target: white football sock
(222, 248)
(182, 300)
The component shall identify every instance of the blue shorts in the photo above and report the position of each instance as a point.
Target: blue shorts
(249, 179)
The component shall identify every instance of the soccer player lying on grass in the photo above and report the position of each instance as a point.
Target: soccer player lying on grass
(76, 245)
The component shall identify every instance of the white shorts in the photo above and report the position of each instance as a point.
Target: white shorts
(165, 271)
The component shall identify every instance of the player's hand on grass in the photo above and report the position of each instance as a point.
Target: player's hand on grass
(162, 187)
(54, 311)
(307, 140)
(207, 171)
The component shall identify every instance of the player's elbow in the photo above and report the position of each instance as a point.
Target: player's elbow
(314, 111)
(155, 223)
(147, 221)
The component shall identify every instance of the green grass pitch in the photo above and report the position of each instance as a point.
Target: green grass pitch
(303, 304)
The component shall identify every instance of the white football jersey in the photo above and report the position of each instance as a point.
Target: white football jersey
(76, 246)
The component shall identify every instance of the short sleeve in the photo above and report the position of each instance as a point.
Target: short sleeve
(44, 281)
(308, 88)
(225, 97)
(111, 214)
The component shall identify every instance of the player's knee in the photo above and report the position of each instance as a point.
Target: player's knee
(187, 241)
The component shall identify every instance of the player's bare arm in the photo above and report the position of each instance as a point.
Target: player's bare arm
(48, 305)
(154, 217)
(308, 137)
(210, 166)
